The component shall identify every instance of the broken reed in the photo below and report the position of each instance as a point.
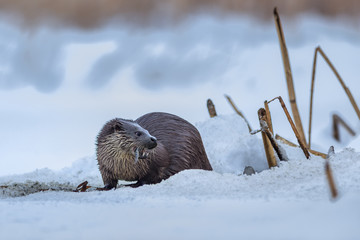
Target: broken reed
(283, 140)
(329, 175)
(337, 120)
(291, 144)
(330, 179)
(288, 76)
(266, 136)
(300, 141)
(270, 133)
(211, 108)
(346, 89)
(268, 117)
(238, 111)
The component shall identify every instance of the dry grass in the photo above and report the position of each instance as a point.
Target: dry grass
(269, 150)
(211, 108)
(337, 121)
(300, 140)
(341, 81)
(330, 178)
(238, 111)
(291, 144)
(289, 77)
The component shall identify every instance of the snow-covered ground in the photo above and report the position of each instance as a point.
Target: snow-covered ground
(47, 125)
(291, 201)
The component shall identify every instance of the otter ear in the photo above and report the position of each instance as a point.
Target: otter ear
(118, 127)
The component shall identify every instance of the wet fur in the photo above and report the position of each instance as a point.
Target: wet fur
(179, 147)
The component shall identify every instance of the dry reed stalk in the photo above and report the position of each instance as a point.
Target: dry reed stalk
(330, 179)
(291, 144)
(287, 142)
(311, 97)
(268, 117)
(269, 151)
(238, 111)
(329, 175)
(211, 108)
(316, 153)
(268, 129)
(347, 91)
(274, 144)
(337, 120)
(288, 75)
(300, 141)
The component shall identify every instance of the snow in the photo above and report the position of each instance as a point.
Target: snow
(291, 201)
(230, 146)
(213, 219)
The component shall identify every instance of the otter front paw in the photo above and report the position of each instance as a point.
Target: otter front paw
(134, 185)
(107, 187)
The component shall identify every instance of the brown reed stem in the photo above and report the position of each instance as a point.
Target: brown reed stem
(268, 129)
(269, 151)
(330, 178)
(300, 141)
(311, 96)
(287, 142)
(211, 108)
(274, 144)
(288, 75)
(337, 120)
(238, 111)
(268, 117)
(346, 89)
(291, 144)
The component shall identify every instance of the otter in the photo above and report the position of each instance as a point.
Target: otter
(148, 150)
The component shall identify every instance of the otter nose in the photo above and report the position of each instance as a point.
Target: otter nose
(153, 142)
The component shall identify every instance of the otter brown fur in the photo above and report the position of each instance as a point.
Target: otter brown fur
(149, 149)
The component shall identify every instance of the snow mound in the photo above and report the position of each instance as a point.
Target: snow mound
(230, 147)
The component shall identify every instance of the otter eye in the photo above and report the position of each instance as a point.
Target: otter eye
(138, 134)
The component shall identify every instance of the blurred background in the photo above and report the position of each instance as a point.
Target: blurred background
(67, 67)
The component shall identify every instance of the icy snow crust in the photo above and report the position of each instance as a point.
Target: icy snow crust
(287, 202)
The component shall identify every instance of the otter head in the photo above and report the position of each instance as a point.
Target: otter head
(129, 137)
